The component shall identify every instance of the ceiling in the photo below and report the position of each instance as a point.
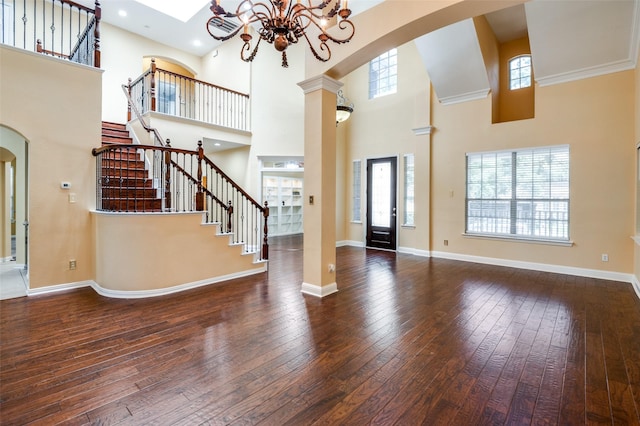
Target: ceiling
(190, 36)
(569, 39)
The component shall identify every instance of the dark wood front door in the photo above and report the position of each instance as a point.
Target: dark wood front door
(381, 203)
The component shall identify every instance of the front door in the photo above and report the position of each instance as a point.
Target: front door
(381, 203)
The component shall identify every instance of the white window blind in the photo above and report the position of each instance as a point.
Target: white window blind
(356, 189)
(409, 197)
(522, 193)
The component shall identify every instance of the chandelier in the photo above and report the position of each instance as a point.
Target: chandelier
(343, 110)
(284, 22)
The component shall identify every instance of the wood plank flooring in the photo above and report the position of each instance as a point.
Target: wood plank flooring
(406, 340)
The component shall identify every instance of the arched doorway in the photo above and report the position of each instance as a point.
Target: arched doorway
(14, 240)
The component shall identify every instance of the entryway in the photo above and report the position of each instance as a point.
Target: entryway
(381, 203)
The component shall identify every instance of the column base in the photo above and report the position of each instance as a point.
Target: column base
(319, 291)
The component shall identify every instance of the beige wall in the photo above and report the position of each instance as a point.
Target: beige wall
(151, 252)
(61, 134)
(595, 117)
(383, 127)
(123, 56)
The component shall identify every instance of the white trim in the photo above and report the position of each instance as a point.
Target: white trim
(594, 71)
(319, 291)
(519, 239)
(464, 97)
(52, 58)
(636, 238)
(419, 131)
(139, 294)
(60, 287)
(636, 285)
(414, 251)
(320, 82)
(544, 267)
(350, 243)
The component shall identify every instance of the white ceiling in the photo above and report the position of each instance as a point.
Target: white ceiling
(569, 38)
(150, 23)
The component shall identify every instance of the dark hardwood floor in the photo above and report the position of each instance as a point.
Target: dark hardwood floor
(406, 340)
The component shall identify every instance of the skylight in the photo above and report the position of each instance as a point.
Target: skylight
(183, 10)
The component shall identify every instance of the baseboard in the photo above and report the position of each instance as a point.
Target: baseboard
(636, 285)
(319, 291)
(139, 294)
(60, 287)
(414, 251)
(351, 243)
(544, 267)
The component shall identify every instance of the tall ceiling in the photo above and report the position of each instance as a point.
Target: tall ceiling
(569, 39)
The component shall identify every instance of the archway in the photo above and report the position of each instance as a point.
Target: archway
(14, 209)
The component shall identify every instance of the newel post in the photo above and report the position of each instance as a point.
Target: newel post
(96, 35)
(265, 243)
(167, 177)
(200, 193)
(152, 90)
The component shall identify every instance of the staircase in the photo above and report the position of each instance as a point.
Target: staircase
(126, 184)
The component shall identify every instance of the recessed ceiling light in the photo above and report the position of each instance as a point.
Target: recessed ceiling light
(197, 43)
(217, 144)
(122, 13)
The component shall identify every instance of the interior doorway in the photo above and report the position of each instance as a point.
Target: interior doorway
(14, 239)
(382, 203)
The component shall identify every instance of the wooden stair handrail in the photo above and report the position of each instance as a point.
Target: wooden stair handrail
(96, 151)
(195, 181)
(194, 80)
(132, 107)
(235, 185)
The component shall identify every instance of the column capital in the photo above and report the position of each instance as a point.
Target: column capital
(320, 82)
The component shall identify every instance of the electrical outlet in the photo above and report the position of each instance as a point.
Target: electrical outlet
(72, 264)
(605, 257)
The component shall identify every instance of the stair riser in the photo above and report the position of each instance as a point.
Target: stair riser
(120, 155)
(124, 173)
(115, 182)
(128, 192)
(132, 205)
(116, 140)
(122, 164)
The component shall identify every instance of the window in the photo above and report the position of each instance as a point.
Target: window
(409, 212)
(523, 194)
(356, 215)
(383, 74)
(520, 72)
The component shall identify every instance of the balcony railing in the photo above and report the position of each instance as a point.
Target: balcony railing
(181, 96)
(60, 28)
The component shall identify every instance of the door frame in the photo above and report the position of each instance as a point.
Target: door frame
(394, 226)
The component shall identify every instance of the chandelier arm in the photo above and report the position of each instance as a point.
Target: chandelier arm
(343, 26)
(247, 47)
(323, 46)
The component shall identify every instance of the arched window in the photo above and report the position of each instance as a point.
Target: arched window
(520, 72)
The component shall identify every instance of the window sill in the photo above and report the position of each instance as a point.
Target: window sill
(568, 243)
(356, 222)
(408, 226)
